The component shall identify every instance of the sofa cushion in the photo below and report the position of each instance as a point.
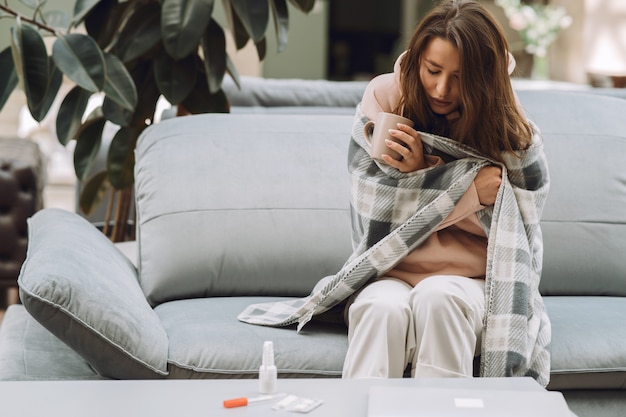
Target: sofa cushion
(584, 221)
(259, 206)
(81, 288)
(29, 352)
(207, 341)
(588, 339)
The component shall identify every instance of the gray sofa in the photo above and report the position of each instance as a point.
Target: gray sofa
(241, 208)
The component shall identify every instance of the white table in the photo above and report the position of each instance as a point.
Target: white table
(203, 398)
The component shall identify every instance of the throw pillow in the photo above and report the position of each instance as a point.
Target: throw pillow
(81, 288)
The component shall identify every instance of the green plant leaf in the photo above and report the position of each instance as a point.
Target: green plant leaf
(143, 74)
(31, 61)
(232, 71)
(261, 49)
(87, 146)
(121, 158)
(201, 101)
(304, 5)
(254, 16)
(71, 114)
(81, 8)
(105, 19)
(119, 86)
(214, 50)
(280, 13)
(39, 77)
(7, 74)
(141, 33)
(57, 19)
(55, 78)
(94, 191)
(175, 79)
(81, 60)
(182, 25)
(115, 113)
(237, 28)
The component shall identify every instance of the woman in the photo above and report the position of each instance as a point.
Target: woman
(447, 244)
(428, 310)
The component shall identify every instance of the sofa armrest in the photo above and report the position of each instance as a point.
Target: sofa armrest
(84, 290)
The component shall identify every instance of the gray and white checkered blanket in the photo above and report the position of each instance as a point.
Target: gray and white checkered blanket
(394, 212)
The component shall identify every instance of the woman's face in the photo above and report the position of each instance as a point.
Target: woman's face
(439, 73)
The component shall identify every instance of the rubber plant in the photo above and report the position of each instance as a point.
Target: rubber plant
(130, 52)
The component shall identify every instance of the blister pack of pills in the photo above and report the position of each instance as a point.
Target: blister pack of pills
(297, 404)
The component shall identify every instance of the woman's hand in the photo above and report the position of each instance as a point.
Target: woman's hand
(487, 184)
(410, 149)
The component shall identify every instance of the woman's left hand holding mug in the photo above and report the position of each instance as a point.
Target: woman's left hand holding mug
(410, 149)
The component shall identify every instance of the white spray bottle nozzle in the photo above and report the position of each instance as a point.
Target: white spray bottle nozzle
(268, 353)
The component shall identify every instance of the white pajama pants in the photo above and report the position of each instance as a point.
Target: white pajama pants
(435, 326)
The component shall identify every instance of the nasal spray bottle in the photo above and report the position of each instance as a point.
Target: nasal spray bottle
(267, 371)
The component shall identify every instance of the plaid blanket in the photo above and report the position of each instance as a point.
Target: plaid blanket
(394, 212)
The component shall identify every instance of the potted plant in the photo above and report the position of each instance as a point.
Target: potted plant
(132, 52)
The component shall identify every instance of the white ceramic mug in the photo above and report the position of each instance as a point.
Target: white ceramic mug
(376, 137)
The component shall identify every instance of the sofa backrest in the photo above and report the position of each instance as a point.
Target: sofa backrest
(252, 204)
(241, 204)
(293, 96)
(584, 221)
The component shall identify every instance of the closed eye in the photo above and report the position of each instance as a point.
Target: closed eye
(436, 72)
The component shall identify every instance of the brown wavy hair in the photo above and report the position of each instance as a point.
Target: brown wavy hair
(490, 119)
